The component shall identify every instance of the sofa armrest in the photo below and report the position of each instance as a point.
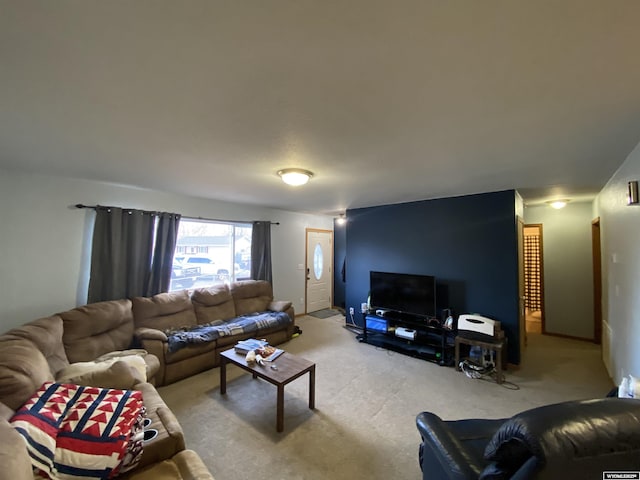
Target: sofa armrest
(279, 306)
(170, 438)
(144, 333)
(6, 412)
(442, 452)
(14, 456)
(155, 342)
(185, 465)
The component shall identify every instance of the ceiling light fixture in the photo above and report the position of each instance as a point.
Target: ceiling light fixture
(295, 176)
(558, 204)
(341, 220)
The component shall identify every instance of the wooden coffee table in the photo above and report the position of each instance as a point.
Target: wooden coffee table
(289, 367)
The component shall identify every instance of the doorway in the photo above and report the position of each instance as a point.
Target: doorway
(534, 279)
(597, 280)
(319, 271)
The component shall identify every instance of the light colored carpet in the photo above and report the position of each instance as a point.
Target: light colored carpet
(367, 399)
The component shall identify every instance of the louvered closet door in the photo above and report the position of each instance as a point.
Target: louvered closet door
(532, 272)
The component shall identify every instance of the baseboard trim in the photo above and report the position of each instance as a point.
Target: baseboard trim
(570, 337)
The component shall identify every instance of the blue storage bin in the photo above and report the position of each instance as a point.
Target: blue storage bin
(376, 324)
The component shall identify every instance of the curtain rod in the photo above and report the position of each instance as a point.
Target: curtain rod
(228, 221)
(93, 207)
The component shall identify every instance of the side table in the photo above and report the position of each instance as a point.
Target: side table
(496, 344)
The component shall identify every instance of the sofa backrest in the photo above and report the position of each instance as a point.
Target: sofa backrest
(251, 296)
(164, 311)
(46, 333)
(213, 303)
(576, 436)
(97, 328)
(23, 369)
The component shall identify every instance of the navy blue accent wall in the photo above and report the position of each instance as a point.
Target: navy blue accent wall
(468, 243)
(339, 256)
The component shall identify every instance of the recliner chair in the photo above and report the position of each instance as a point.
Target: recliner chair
(575, 439)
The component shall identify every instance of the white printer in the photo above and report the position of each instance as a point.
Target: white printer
(479, 324)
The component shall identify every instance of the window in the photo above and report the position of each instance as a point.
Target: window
(317, 262)
(209, 253)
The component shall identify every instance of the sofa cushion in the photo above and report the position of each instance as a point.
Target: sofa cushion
(213, 303)
(164, 311)
(97, 328)
(23, 368)
(190, 351)
(251, 296)
(46, 334)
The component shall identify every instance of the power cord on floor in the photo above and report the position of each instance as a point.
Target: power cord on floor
(473, 370)
(351, 325)
(486, 373)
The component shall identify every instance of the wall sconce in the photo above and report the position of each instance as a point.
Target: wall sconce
(295, 176)
(633, 193)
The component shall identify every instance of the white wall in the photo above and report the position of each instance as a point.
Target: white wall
(568, 269)
(44, 239)
(620, 232)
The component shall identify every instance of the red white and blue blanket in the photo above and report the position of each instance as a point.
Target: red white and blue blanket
(75, 432)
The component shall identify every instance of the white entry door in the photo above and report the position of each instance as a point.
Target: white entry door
(319, 275)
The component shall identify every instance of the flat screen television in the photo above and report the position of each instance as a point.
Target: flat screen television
(403, 293)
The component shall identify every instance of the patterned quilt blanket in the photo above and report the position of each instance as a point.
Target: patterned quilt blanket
(82, 432)
(220, 328)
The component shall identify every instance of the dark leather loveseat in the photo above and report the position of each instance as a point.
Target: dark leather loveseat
(575, 439)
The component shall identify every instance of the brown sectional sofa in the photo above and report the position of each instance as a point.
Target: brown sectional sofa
(154, 316)
(41, 350)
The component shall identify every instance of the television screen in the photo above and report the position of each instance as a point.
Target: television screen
(404, 293)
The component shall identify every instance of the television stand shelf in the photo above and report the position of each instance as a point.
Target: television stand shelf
(432, 342)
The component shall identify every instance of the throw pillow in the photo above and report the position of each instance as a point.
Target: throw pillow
(118, 375)
(141, 352)
(79, 369)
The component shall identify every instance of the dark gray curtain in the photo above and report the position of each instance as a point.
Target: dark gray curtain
(166, 236)
(121, 254)
(261, 251)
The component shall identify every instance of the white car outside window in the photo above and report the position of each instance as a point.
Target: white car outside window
(207, 265)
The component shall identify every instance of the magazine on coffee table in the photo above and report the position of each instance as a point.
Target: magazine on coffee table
(277, 352)
(251, 344)
(261, 347)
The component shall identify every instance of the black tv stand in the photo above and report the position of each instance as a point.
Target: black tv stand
(404, 317)
(432, 342)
